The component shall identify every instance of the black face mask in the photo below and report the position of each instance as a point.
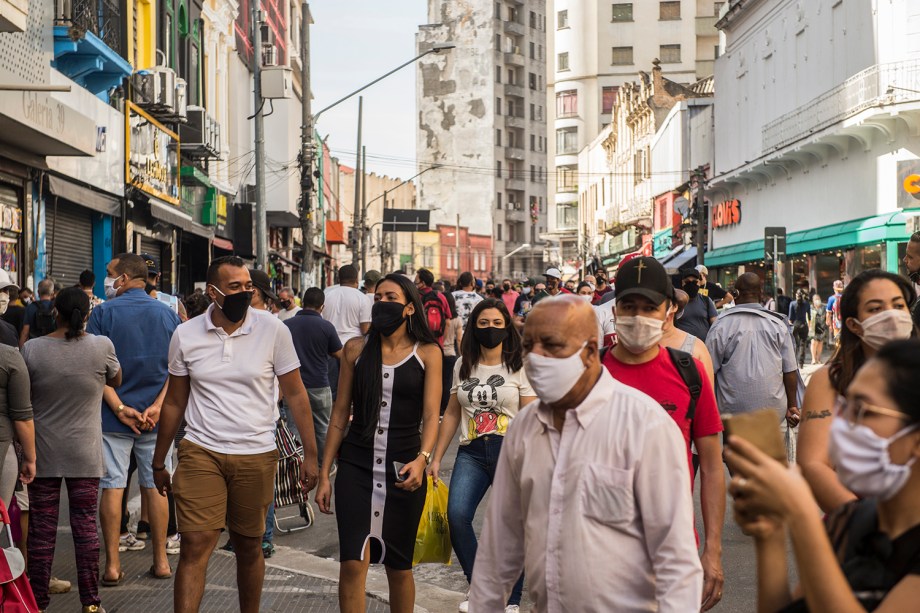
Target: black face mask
(285, 304)
(386, 317)
(507, 287)
(235, 305)
(915, 277)
(691, 288)
(149, 288)
(490, 337)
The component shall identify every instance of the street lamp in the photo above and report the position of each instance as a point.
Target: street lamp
(363, 226)
(508, 255)
(307, 151)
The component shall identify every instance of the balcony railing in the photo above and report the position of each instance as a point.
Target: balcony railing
(874, 86)
(100, 17)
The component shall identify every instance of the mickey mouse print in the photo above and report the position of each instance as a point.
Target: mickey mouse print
(490, 398)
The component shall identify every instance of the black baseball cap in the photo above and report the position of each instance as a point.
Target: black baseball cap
(644, 276)
(686, 273)
(261, 282)
(153, 268)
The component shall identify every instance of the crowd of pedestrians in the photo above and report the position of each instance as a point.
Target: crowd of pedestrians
(588, 407)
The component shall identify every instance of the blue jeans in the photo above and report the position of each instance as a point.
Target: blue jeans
(473, 474)
(321, 407)
(269, 523)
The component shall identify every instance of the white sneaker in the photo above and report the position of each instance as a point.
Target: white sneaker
(172, 544)
(512, 608)
(129, 542)
(465, 605)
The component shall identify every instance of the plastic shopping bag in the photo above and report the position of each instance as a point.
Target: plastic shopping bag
(432, 542)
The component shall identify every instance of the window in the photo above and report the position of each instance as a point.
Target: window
(670, 54)
(511, 232)
(567, 103)
(511, 112)
(532, 80)
(563, 61)
(498, 169)
(498, 42)
(498, 74)
(533, 173)
(608, 99)
(533, 142)
(498, 10)
(511, 78)
(566, 216)
(669, 11)
(562, 19)
(533, 50)
(533, 111)
(498, 138)
(717, 8)
(498, 200)
(622, 56)
(533, 20)
(498, 106)
(715, 52)
(567, 179)
(566, 141)
(539, 52)
(498, 232)
(622, 12)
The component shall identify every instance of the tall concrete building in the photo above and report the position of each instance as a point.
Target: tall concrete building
(593, 50)
(482, 116)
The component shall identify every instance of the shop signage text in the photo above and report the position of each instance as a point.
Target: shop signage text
(908, 184)
(152, 163)
(726, 214)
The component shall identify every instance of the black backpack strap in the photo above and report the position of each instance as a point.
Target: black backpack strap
(683, 362)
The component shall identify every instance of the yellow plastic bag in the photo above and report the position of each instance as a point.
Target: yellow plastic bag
(432, 542)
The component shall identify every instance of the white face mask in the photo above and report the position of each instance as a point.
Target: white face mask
(4, 302)
(110, 289)
(887, 326)
(639, 334)
(553, 378)
(587, 297)
(862, 460)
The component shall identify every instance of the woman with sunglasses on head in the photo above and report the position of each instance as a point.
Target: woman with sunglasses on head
(866, 556)
(393, 379)
(489, 388)
(874, 310)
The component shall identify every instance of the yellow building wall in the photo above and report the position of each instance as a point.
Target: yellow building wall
(142, 43)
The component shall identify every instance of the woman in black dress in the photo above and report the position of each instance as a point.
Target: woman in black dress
(393, 378)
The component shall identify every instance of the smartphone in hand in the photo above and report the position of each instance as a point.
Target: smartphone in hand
(397, 467)
(759, 428)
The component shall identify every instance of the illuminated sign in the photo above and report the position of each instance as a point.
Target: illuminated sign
(152, 162)
(726, 214)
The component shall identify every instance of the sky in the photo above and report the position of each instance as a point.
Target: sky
(352, 42)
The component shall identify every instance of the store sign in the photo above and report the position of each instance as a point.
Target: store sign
(10, 218)
(152, 164)
(909, 184)
(726, 214)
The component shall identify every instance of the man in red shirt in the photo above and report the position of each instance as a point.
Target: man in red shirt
(645, 297)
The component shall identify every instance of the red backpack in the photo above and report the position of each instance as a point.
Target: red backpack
(434, 313)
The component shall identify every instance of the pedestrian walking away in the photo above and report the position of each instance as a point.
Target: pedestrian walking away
(222, 372)
(817, 329)
(594, 467)
(864, 555)
(681, 386)
(489, 388)
(466, 296)
(875, 309)
(349, 311)
(394, 382)
(140, 329)
(69, 370)
(799, 314)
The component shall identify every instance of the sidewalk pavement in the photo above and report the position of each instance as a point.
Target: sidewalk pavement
(294, 581)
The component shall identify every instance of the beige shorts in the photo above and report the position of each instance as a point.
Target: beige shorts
(213, 490)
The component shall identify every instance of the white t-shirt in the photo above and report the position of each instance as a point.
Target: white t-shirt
(466, 302)
(347, 308)
(232, 403)
(490, 398)
(285, 314)
(606, 320)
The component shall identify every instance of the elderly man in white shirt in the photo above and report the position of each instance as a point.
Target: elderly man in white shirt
(592, 494)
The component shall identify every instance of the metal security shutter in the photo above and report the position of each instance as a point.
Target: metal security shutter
(161, 252)
(69, 240)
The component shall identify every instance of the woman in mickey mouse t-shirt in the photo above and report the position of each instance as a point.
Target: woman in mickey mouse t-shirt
(489, 388)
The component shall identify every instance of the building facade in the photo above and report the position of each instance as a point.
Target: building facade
(594, 49)
(816, 131)
(482, 116)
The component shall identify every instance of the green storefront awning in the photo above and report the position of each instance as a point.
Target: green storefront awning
(868, 231)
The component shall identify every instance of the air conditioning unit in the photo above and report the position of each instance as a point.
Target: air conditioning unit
(167, 88)
(213, 135)
(277, 82)
(192, 132)
(181, 98)
(146, 90)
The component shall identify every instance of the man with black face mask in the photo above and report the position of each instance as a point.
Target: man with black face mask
(700, 313)
(222, 370)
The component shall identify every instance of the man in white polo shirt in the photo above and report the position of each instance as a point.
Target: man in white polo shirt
(222, 368)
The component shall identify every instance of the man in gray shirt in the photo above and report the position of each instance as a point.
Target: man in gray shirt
(753, 356)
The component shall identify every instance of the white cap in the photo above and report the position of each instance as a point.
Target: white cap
(6, 282)
(553, 272)
(702, 270)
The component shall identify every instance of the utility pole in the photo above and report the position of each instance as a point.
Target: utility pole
(306, 157)
(356, 223)
(364, 237)
(457, 236)
(700, 215)
(261, 221)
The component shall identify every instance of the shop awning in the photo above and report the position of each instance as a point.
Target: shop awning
(282, 219)
(664, 259)
(223, 243)
(172, 215)
(867, 231)
(84, 196)
(675, 264)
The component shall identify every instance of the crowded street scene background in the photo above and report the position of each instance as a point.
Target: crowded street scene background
(488, 306)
